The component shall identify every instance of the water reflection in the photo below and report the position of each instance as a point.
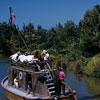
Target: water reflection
(94, 86)
(79, 77)
(89, 87)
(78, 83)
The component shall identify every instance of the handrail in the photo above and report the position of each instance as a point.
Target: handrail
(51, 70)
(69, 90)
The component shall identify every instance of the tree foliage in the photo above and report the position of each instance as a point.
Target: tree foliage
(90, 32)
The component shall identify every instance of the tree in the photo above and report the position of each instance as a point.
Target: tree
(90, 32)
(5, 38)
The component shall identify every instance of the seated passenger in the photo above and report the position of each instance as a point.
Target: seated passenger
(29, 58)
(29, 89)
(16, 82)
(26, 58)
(33, 60)
(23, 58)
(14, 56)
(21, 55)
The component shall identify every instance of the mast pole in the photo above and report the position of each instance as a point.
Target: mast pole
(11, 32)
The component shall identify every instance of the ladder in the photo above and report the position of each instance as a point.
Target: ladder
(50, 83)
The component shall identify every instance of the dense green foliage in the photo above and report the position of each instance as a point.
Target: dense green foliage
(68, 44)
(90, 32)
(93, 66)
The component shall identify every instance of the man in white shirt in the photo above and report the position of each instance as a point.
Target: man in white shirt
(45, 58)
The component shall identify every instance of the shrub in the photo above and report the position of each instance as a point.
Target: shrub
(93, 66)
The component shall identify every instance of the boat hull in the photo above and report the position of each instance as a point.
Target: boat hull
(13, 96)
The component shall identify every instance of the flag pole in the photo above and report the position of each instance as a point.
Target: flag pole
(11, 32)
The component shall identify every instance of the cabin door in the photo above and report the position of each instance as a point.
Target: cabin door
(28, 79)
(14, 74)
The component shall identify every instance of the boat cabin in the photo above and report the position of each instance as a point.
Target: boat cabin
(42, 83)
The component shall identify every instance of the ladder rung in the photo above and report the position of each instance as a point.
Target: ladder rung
(49, 80)
(47, 72)
(51, 87)
(50, 84)
(52, 92)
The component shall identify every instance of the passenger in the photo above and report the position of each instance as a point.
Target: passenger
(44, 58)
(60, 75)
(29, 58)
(14, 56)
(16, 82)
(44, 55)
(29, 89)
(34, 60)
(21, 56)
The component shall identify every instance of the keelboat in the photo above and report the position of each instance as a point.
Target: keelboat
(42, 82)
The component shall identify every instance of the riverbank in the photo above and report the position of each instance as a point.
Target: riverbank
(3, 57)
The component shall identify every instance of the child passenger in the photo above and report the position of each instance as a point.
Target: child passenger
(29, 89)
(16, 82)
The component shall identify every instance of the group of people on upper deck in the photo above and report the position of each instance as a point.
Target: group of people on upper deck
(29, 58)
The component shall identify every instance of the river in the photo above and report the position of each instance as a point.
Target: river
(87, 88)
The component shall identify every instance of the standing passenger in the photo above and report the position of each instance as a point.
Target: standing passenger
(44, 58)
(44, 55)
(60, 75)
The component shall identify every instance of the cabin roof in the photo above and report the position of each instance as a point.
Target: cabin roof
(29, 70)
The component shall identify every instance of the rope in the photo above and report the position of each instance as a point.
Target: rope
(23, 40)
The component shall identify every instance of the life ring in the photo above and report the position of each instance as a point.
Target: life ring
(20, 75)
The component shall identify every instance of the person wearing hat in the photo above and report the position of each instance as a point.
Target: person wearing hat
(60, 76)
